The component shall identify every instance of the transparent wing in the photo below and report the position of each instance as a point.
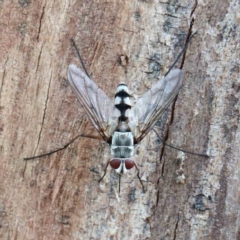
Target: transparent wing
(98, 107)
(150, 107)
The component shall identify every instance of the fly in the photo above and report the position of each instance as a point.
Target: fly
(120, 123)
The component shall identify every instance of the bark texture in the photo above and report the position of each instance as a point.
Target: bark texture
(59, 197)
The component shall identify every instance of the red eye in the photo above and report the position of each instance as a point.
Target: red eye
(129, 163)
(115, 163)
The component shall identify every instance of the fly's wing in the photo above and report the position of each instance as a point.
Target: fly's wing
(150, 107)
(98, 107)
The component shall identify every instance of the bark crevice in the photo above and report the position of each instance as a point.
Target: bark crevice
(44, 114)
(40, 21)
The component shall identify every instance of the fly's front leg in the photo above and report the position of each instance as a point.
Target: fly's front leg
(138, 175)
(65, 146)
(105, 171)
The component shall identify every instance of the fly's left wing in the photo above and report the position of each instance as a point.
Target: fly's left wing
(150, 107)
(98, 107)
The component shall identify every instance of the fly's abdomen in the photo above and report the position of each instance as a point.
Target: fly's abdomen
(122, 145)
(122, 101)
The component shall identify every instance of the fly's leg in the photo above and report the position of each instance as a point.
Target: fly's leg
(138, 172)
(105, 171)
(183, 52)
(80, 58)
(65, 146)
(179, 149)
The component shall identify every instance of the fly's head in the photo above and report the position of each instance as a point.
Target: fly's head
(122, 150)
(122, 165)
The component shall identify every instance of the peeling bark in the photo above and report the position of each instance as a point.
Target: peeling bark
(58, 196)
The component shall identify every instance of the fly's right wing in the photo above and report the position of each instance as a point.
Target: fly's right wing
(150, 107)
(98, 107)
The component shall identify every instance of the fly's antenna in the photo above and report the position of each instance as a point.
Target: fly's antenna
(78, 53)
(179, 149)
(181, 53)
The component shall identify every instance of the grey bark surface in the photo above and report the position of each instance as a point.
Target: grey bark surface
(59, 197)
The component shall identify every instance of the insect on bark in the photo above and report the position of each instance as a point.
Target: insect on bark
(120, 123)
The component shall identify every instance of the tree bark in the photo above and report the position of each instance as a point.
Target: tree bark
(58, 196)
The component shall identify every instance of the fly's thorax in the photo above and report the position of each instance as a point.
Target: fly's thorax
(122, 145)
(121, 165)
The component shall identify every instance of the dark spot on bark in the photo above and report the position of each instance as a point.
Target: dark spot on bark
(2, 212)
(238, 234)
(154, 65)
(180, 39)
(146, 1)
(145, 228)
(2, 209)
(167, 25)
(92, 169)
(210, 94)
(62, 219)
(24, 3)
(236, 69)
(229, 132)
(50, 185)
(229, 31)
(224, 28)
(236, 86)
(32, 183)
(137, 15)
(201, 203)
(158, 142)
(172, 6)
(132, 195)
(1, 128)
(219, 38)
(232, 31)
(22, 28)
(231, 109)
(64, 83)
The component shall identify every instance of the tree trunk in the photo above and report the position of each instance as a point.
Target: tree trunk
(58, 196)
